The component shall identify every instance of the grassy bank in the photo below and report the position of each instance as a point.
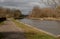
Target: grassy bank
(48, 18)
(31, 33)
(1, 23)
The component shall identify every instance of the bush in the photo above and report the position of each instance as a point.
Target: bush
(6, 12)
(38, 12)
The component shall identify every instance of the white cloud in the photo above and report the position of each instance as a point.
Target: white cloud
(34, 3)
(14, 0)
(37, 4)
(1, 0)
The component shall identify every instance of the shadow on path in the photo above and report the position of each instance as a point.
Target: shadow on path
(12, 35)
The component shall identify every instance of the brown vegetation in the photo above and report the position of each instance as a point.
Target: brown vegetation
(6, 12)
(38, 12)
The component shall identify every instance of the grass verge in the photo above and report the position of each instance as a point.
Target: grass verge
(31, 33)
(1, 23)
(46, 18)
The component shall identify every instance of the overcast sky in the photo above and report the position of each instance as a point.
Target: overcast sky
(24, 5)
(18, 2)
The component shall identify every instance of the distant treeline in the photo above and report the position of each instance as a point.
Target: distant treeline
(38, 12)
(7, 12)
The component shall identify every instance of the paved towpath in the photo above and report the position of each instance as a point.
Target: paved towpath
(10, 31)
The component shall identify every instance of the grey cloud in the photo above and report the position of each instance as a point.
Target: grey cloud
(26, 5)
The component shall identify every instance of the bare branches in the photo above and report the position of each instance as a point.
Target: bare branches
(6, 12)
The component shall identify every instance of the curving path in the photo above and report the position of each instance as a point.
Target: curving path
(10, 31)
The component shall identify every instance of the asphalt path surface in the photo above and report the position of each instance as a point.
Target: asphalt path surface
(9, 30)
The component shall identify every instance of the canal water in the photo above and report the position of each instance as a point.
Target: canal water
(49, 26)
